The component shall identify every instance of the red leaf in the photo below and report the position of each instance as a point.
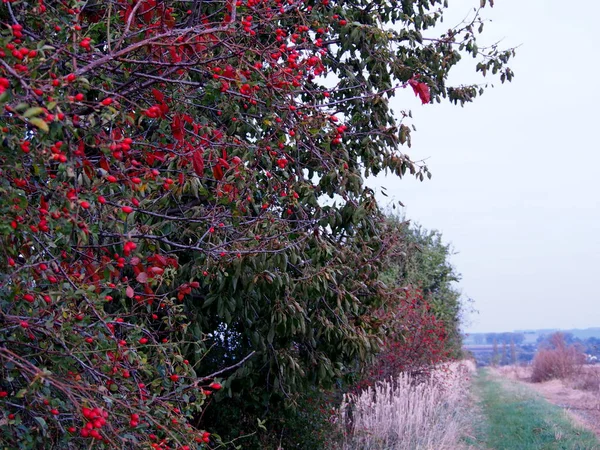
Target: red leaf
(124, 16)
(218, 172)
(104, 164)
(198, 163)
(164, 109)
(421, 90)
(224, 163)
(147, 10)
(158, 96)
(177, 128)
(129, 292)
(142, 277)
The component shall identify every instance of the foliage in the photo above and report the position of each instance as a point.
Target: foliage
(163, 169)
(414, 339)
(420, 317)
(307, 426)
(428, 267)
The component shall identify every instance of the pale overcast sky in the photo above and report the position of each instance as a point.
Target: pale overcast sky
(516, 182)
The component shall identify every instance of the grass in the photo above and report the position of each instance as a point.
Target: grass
(516, 418)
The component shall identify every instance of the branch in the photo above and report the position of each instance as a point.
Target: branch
(219, 372)
(15, 74)
(197, 30)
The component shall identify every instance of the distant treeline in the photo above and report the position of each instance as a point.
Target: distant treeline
(498, 338)
(514, 348)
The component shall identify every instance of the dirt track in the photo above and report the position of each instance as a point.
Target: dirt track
(582, 405)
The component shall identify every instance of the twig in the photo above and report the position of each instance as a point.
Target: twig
(219, 372)
(199, 30)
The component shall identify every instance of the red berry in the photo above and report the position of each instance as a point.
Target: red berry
(174, 377)
(95, 434)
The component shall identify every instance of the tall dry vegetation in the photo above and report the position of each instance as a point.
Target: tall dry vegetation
(408, 413)
(559, 361)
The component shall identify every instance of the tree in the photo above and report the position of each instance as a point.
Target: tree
(163, 173)
(495, 355)
(513, 353)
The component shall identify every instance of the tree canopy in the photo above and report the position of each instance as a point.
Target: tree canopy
(183, 202)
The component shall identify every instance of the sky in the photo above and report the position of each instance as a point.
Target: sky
(516, 174)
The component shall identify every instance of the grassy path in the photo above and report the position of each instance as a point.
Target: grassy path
(516, 418)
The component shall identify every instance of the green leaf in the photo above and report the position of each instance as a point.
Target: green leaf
(271, 335)
(21, 393)
(35, 111)
(43, 424)
(40, 123)
(261, 424)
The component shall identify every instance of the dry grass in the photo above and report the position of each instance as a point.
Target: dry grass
(407, 414)
(586, 379)
(514, 372)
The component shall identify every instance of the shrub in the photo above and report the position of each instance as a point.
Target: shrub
(561, 361)
(305, 425)
(415, 339)
(587, 379)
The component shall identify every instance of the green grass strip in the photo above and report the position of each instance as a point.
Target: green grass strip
(516, 418)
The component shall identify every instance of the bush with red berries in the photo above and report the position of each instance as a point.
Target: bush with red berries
(163, 174)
